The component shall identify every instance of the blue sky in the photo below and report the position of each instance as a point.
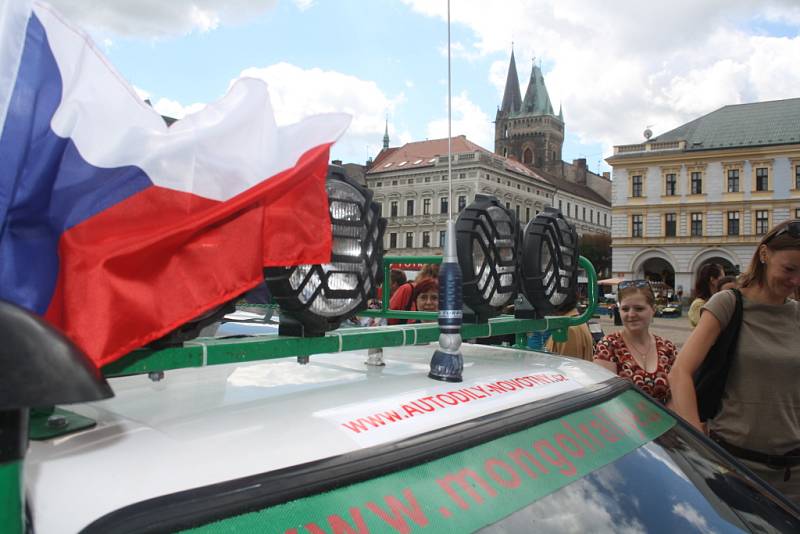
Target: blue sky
(616, 67)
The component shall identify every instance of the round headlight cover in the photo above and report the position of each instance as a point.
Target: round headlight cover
(550, 263)
(320, 297)
(487, 235)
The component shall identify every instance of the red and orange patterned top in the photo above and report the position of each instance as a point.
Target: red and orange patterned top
(612, 348)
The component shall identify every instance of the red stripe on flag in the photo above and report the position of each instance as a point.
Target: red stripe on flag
(159, 259)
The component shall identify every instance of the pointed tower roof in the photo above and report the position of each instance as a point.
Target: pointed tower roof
(537, 101)
(386, 134)
(560, 112)
(512, 101)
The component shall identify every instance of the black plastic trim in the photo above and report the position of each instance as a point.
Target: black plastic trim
(199, 506)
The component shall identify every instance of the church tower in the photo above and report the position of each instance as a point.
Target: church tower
(528, 129)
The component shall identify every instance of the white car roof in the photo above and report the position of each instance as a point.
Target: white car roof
(203, 426)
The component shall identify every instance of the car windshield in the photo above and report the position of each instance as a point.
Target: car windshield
(673, 484)
(620, 465)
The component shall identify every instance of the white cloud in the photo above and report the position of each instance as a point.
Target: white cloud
(302, 5)
(297, 92)
(692, 516)
(158, 18)
(460, 50)
(618, 67)
(468, 119)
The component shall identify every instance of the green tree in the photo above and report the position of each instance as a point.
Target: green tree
(597, 249)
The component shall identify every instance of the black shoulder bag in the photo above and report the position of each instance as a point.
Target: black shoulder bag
(710, 378)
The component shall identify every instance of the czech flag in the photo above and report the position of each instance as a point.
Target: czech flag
(117, 228)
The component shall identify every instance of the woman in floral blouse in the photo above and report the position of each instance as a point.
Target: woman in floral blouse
(634, 353)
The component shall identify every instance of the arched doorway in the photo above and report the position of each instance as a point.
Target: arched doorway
(659, 270)
(527, 156)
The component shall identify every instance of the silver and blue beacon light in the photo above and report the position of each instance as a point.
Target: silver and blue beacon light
(447, 362)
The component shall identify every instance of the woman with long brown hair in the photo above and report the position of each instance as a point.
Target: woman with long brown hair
(706, 284)
(634, 353)
(759, 416)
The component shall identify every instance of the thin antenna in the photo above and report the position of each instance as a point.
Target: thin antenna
(449, 125)
(447, 362)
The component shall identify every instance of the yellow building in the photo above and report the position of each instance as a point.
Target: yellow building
(704, 192)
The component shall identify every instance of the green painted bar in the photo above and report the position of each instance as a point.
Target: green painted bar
(238, 350)
(147, 361)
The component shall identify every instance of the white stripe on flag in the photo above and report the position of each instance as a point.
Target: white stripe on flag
(14, 15)
(222, 150)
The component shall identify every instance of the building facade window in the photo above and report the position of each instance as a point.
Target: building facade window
(591, 216)
(762, 222)
(443, 207)
(697, 183)
(562, 209)
(426, 239)
(797, 176)
(697, 225)
(409, 239)
(516, 209)
(441, 238)
(733, 223)
(426, 206)
(462, 202)
(670, 228)
(733, 180)
(380, 208)
(393, 240)
(636, 226)
(797, 213)
(636, 185)
(584, 213)
(605, 219)
(409, 207)
(393, 208)
(528, 214)
(762, 179)
(669, 184)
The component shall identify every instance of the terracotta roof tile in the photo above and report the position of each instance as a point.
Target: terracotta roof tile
(420, 153)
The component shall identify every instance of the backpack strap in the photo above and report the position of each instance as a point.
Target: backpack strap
(712, 375)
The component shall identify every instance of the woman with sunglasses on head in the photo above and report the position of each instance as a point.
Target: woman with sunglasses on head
(759, 416)
(705, 285)
(634, 353)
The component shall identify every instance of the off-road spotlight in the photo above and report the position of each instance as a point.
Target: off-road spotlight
(549, 266)
(316, 298)
(488, 239)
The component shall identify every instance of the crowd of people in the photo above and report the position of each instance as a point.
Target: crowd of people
(749, 325)
(757, 415)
